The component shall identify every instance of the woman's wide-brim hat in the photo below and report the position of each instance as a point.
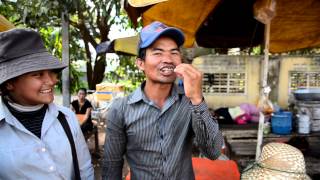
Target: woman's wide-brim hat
(22, 51)
(278, 161)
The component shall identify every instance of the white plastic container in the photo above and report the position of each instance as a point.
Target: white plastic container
(316, 112)
(312, 109)
(315, 125)
(304, 124)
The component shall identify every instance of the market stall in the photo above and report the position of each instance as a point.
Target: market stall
(227, 24)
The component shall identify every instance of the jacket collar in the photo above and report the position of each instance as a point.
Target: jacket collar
(6, 116)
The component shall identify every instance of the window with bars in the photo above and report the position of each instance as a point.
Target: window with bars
(224, 83)
(300, 79)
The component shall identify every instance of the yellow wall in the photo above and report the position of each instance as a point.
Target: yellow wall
(210, 64)
(291, 63)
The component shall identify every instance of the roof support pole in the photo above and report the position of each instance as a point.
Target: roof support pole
(265, 89)
(65, 60)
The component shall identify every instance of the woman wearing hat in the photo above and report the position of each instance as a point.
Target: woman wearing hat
(38, 139)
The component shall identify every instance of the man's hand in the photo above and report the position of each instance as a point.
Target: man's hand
(192, 81)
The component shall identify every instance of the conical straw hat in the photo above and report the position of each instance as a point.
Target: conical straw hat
(278, 161)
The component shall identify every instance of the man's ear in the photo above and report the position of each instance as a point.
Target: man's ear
(140, 64)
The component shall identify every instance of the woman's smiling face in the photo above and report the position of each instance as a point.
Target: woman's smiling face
(33, 88)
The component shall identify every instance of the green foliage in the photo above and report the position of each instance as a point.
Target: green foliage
(305, 51)
(53, 41)
(75, 81)
(32, 13)
(256, 50)
(90, 21)
(126, 73)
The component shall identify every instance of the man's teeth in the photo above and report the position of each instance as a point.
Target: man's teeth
(167, 69)
(46, 91)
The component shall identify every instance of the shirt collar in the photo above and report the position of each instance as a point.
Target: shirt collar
(53, 110)
(139, 95)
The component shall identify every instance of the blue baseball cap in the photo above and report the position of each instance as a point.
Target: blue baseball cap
(153, 31)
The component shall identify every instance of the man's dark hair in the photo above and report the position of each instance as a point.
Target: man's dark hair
(142, 53)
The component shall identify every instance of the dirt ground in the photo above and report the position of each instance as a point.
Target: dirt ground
(97, 156)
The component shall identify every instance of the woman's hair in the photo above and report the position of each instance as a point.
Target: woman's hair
(83, 89)
(3, 89)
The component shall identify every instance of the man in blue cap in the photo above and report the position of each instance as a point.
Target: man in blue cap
(154, 127)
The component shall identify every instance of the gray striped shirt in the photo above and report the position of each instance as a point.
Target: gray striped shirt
(158, 142)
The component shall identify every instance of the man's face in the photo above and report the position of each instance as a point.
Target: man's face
(161, 59)
(33, 88)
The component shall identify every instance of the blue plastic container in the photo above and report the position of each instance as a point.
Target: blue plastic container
(281, 122)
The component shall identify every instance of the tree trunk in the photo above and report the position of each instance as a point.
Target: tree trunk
(97, 75)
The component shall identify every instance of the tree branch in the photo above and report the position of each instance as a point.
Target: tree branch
(85, 33)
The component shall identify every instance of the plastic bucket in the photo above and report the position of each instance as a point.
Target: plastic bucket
(281, 122)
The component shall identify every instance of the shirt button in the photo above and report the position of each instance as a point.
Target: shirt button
(43, 149)
(51, 168)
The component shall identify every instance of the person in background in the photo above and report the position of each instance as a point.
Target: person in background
(242, 114)
(83, 106)
(154, 127)
(33, 141)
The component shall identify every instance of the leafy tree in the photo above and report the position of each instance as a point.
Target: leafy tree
(53, 41)
(126, 73)
(90, 21)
